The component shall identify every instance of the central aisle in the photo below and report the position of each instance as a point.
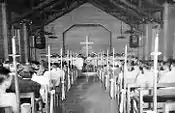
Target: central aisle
(88, 97)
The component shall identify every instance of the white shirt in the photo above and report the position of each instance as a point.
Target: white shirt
(56, 74)
(168, 77)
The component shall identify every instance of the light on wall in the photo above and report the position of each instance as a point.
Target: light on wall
(53, 35)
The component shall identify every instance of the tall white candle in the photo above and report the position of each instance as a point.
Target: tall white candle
(125, 65)
(61, 58)
(13, 46)
(155, 71)
(107, 61)
(113, 51)
(49, 66)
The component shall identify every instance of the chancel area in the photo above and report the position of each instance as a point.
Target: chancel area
(87, 56)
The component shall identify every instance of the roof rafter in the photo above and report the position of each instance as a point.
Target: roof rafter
(118, 16)
(41, 6)
(138, 10)
(59, 14)
(133, 13)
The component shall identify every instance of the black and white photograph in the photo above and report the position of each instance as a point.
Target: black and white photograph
(87, 56)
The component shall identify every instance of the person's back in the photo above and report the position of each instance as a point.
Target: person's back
(6, 99)
(168, 77)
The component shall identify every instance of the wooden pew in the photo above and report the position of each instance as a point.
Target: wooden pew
(148, 98)
(30, 95)
(5, 109)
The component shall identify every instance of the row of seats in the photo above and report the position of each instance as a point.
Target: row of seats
(52, 98)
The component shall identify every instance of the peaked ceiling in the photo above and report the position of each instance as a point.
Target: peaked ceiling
(42, 12)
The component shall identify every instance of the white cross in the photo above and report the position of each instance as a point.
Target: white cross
(87, 43)
(156, 53)
(15, 70)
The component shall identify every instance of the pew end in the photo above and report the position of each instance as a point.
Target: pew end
(169, 107)
(5, 109)
(30, 95)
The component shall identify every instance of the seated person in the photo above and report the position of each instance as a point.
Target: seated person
(7, 99)
(169, 76)
(26, 85)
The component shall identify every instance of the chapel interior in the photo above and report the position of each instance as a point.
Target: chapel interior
(83, 56)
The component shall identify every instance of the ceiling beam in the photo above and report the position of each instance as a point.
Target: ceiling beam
(49, 8)
(127, 10)
(154, 2)
(118, 16)
(138, 10)
(34, 10)
(53, 17)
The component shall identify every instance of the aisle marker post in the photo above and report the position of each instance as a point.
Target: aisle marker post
(72, 80)
(52, 92)
(16, 76)
(125, 67)
(107, 60)
(49, 65)
(123, 95)
(101, 66)
(156, 53)
(62, 81)
(68, 70)
(113, 61)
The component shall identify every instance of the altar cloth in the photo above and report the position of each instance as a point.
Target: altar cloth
(89, 73)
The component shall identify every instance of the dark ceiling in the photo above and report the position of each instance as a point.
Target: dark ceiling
(42, 12)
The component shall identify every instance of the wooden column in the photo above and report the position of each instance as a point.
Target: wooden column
(26, 46)
(153, 41)
(4, 36)
(146, 46)
(18, 43)
(174, 45)
(166, 35)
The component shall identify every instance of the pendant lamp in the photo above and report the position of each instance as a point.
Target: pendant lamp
(121, 32)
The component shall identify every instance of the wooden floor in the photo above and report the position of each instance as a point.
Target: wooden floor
(88, 97)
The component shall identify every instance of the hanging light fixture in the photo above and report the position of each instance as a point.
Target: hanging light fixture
(121, 32)
(131, 31)
(52, 36)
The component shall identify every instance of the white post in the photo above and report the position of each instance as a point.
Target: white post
(87, 52)
(50, 83)
(146, 43)
(101, 66)
(16, 76)
(72, 74)
(62, 81)
(112, 79)
(113, 58)
(103, 58)
(125, 66)
(49, 66)
(125, 80)
(155, 54)
(68, 70)
(107, 64)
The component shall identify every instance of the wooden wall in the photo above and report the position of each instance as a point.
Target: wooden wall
(86, 14)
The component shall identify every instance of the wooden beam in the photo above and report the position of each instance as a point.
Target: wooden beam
(129, 11)
(138, 10)
(100, 6)
(34, 10)
(58, 14)
(52, 6)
